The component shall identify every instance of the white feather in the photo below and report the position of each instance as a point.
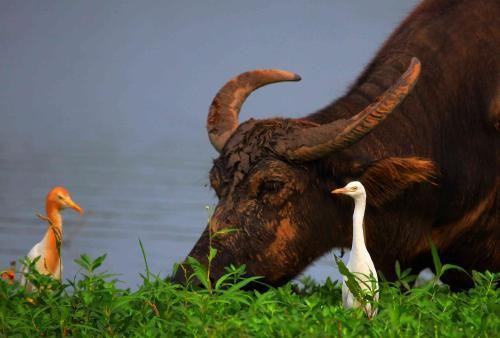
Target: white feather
(360, 263)
(38, 251)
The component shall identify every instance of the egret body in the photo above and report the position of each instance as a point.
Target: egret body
(360, 263)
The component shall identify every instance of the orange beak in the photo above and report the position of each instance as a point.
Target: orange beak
(76, 207)
(340, 191)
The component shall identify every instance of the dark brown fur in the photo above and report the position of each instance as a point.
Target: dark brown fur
(431, 169)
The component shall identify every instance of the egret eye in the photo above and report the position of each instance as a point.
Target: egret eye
(354, 188)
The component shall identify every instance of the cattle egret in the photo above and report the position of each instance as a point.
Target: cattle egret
(48, 249)
(360, 263)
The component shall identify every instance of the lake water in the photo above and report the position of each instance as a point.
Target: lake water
(159, 198)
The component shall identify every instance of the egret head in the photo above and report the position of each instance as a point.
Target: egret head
(59, 198)
(354, 189)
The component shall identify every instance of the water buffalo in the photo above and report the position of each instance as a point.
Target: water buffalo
(430, 168)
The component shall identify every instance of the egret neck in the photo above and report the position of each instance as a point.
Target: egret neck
(53, 238)
(358, 236)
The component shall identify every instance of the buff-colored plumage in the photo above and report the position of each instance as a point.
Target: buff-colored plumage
(48, 249)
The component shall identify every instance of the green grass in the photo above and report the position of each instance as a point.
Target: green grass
(95, 305)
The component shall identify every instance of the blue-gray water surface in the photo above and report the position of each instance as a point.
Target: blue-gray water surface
(159, 198)
(110, 99)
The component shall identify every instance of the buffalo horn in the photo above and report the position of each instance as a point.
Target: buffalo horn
(223, 114)
(319, 141)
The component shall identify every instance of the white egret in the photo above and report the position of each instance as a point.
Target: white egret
(360, 263)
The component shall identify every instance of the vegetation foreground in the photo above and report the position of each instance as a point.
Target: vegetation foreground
(96, 305)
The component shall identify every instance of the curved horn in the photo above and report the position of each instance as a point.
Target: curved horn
(317, 142)
(223, 114)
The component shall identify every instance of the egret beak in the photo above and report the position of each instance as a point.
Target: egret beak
(340, 191)
(76, 207)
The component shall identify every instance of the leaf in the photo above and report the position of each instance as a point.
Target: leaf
(87, 298)
(398, 269)
(406, 273)
(237, 297)
(242, 283)
(98, 262)
(341, 266)
(211, 254)
(354, 287)
(88, 327)
(200, 271)
(83, 261)
(224, 231)
(221, 280)
(411, 278)
(447, 267)
(436, 260)
(145, 260)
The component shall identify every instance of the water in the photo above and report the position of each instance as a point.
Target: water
(158, 198)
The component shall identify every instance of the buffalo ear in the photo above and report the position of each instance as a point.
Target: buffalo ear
(387, 178)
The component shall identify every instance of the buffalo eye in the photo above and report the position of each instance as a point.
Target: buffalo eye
(271, 187)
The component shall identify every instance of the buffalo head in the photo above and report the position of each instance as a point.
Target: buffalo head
(271, 187)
